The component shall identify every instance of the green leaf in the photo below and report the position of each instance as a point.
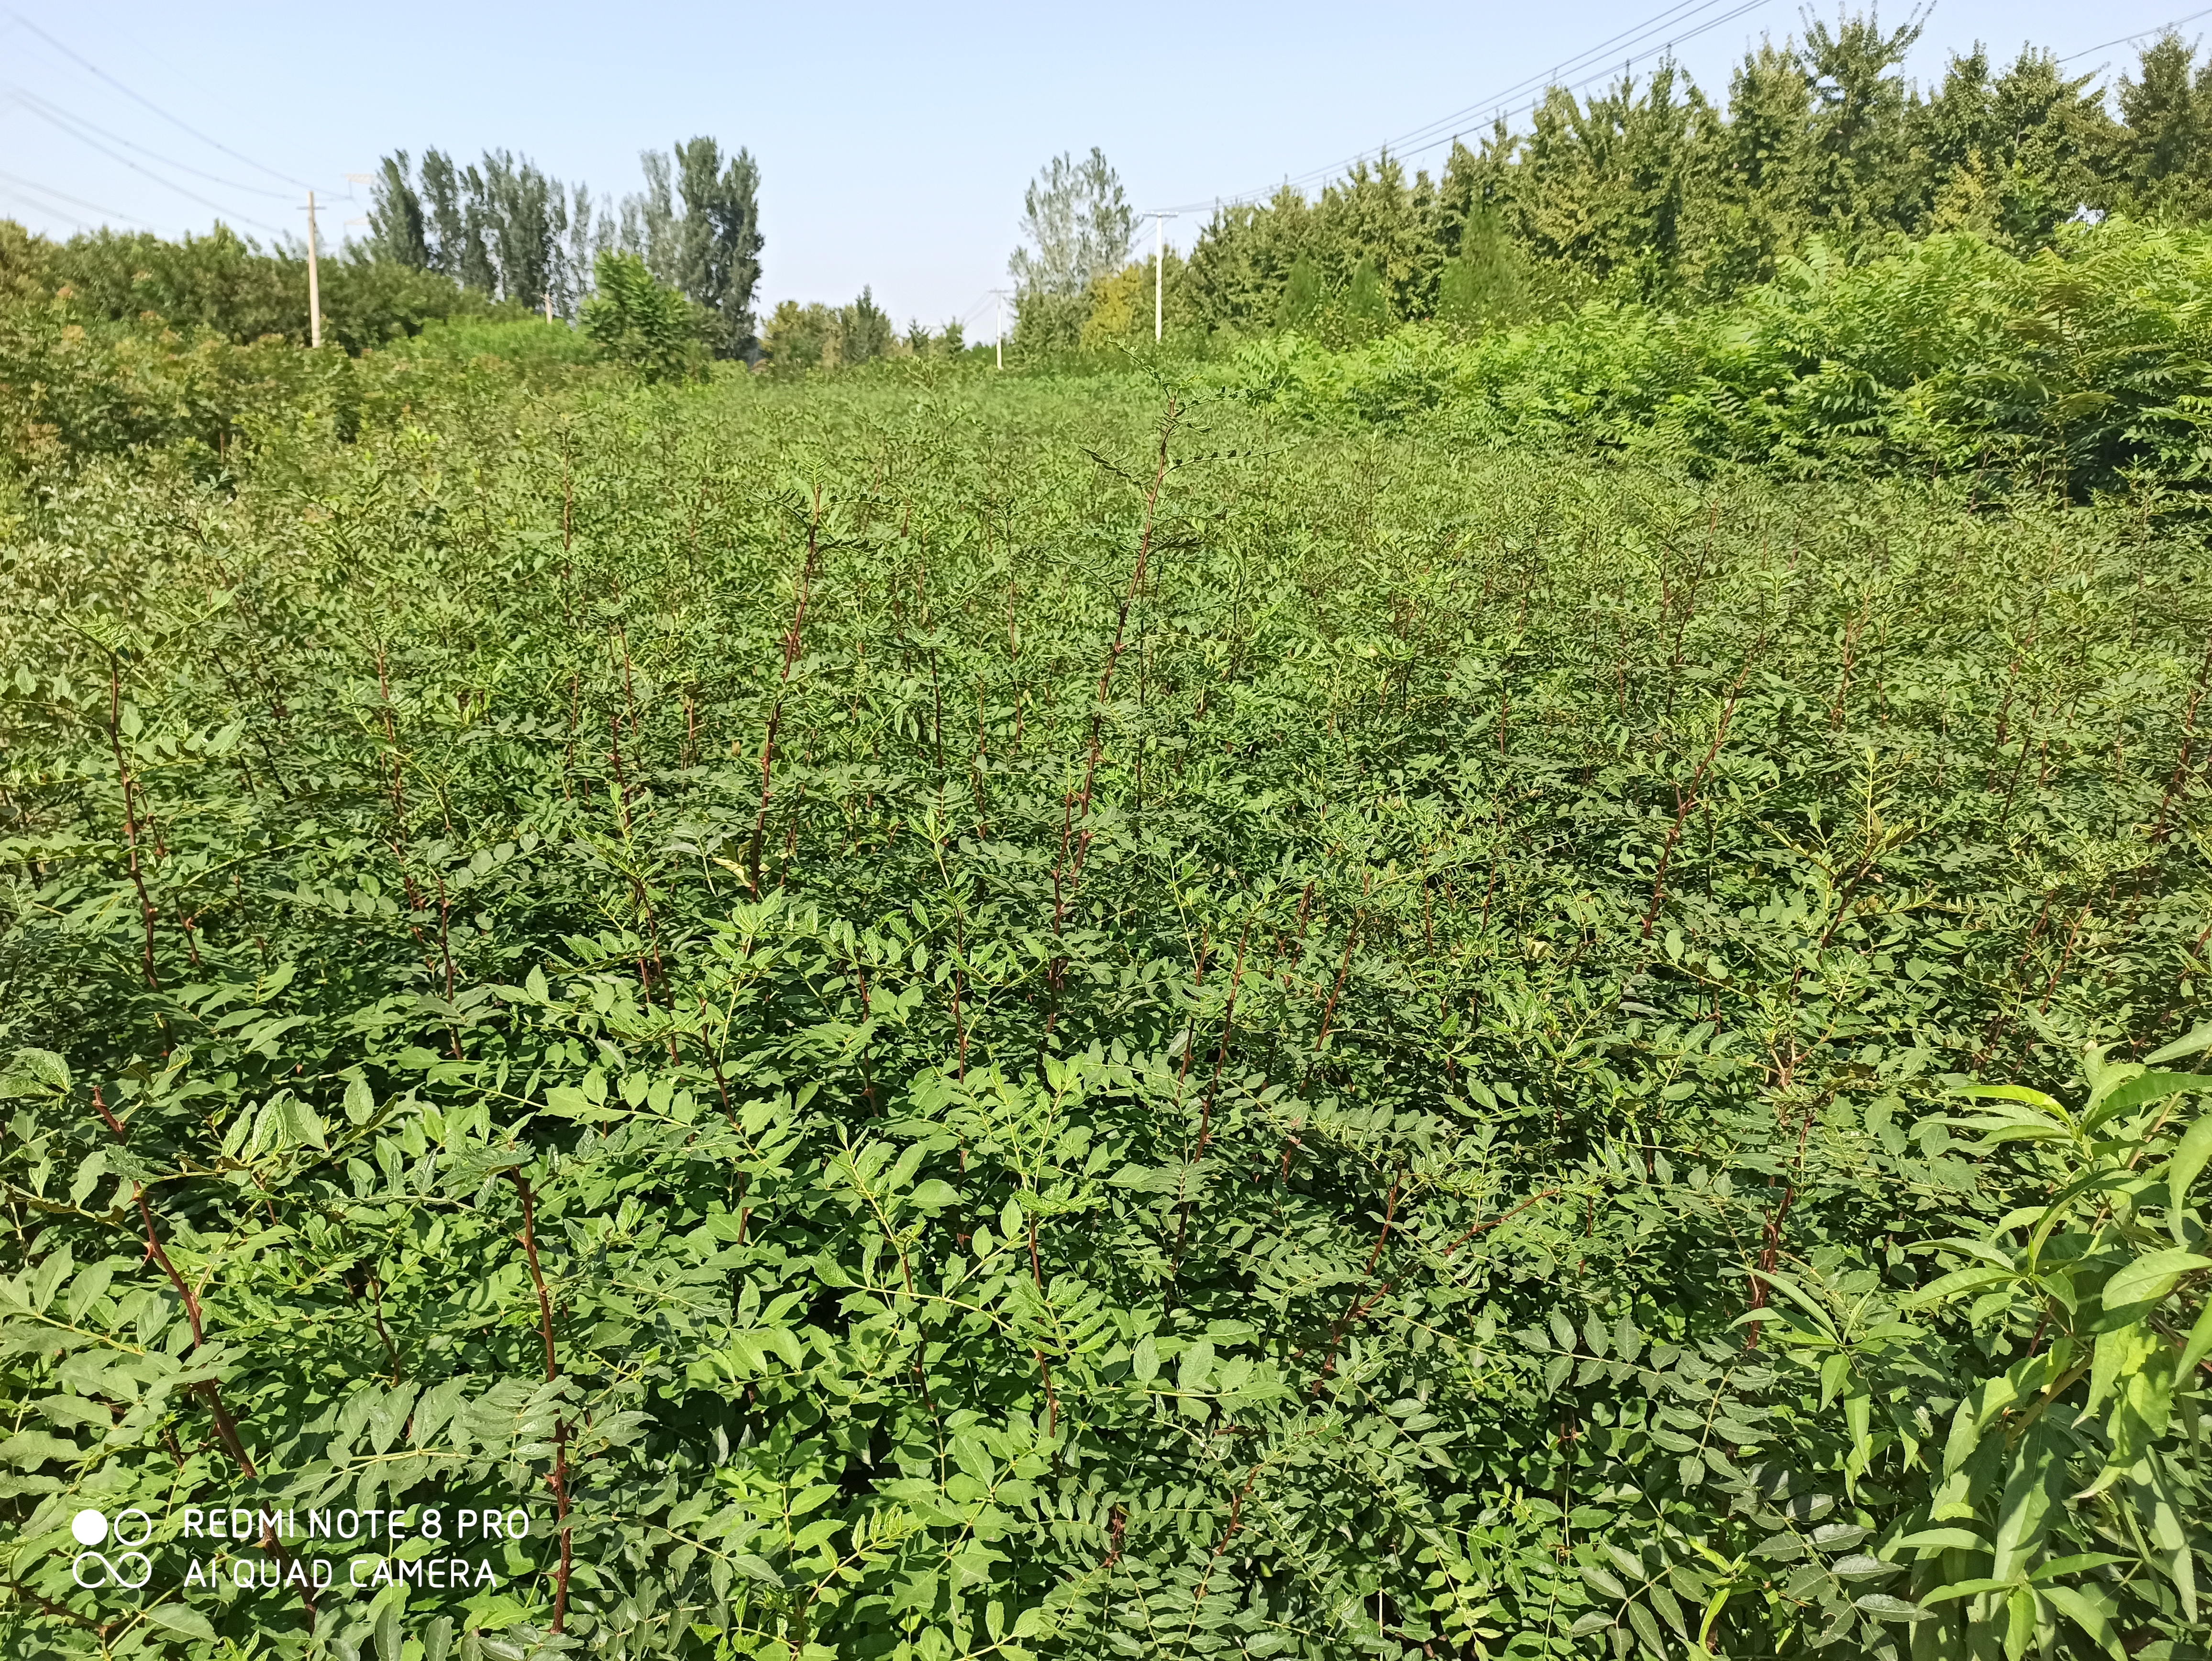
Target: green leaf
(1145, 1361)
(2197, 1038)
(2140, 1091)
(2198, 1345)
(1957, 1284)
(2092, 1610)
(1603, 1583)
(1883, 1607)
(184, 1621)
(757, 1568)
(35, 1072)
(1959, 1588)
(2189, 1160)
(1930, 1540)
(2150, 1277)
(2014, 1092)
(934, 1194)
(1647, 1628)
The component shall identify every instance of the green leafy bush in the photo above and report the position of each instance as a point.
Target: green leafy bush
(2075, 370)
(638, 322)
(228, 286)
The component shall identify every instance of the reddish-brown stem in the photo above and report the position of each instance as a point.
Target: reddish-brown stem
(224, 1427)
(130, 812)
(1078, 807)
(1685, 799)
(559, 1478)
(792, 640)
(1769, 1251)
(1485, 1226)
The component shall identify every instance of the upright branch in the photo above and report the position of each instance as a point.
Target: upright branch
(1686, 798)
(559, 1479)
(1068, 874)
(792, 639)
(130, 814)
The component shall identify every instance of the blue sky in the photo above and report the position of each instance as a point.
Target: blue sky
(894, 142)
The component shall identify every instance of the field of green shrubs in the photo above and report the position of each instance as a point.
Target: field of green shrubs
(1181, 1012)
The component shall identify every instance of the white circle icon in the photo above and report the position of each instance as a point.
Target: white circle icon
(89, 1527)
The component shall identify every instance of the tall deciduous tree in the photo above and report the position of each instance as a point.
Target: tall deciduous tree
(696, 225)
(396, 230)
(1078, 223)
(718, 258)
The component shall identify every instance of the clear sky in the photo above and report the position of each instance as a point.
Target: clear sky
(894, 141)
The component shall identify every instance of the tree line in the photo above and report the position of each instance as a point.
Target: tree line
(1652, 191)
(503, 228)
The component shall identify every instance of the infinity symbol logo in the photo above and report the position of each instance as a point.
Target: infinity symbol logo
(90, 1528)
(114, 1571)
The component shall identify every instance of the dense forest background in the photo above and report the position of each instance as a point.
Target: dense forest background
(1654, 192)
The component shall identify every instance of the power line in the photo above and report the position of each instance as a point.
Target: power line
(2158, 28)
(1681, 12)
(139, 168)
(87, 64)
(37, 206)
(64, 195)
(54, 112)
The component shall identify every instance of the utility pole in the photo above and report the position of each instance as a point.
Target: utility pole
(1159, 269)
(314, 281)
(998, 329)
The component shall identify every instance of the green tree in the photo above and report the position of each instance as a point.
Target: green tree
(864, 331)
(1366, 306)
(442, 198)
(1078, 223)
(1485, 285)
(2167, 107)
(525, 215)
(1302, 294)
(717, 243)
(397, 229)
(1860, 181)
(634, 320)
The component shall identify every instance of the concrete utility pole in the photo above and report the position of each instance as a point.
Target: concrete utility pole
(314, 281)
(1159, 269)
(998, 329)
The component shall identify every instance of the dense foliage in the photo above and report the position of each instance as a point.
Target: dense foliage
(501, 225)
(224, 286)
(2082, 369)
(1650, 191)
(936, 1016)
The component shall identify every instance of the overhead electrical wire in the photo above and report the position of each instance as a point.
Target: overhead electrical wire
(64, 195)
(1433, 133)
(2155, 28)
(92, 68)
(1678, 12)
(54, 112)
(149, 173)
(170, 184)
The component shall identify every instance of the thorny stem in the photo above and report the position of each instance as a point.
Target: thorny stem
(129, 811)
(559, 1479)
(1685, 799)
(792, 641)
(1077, 809)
